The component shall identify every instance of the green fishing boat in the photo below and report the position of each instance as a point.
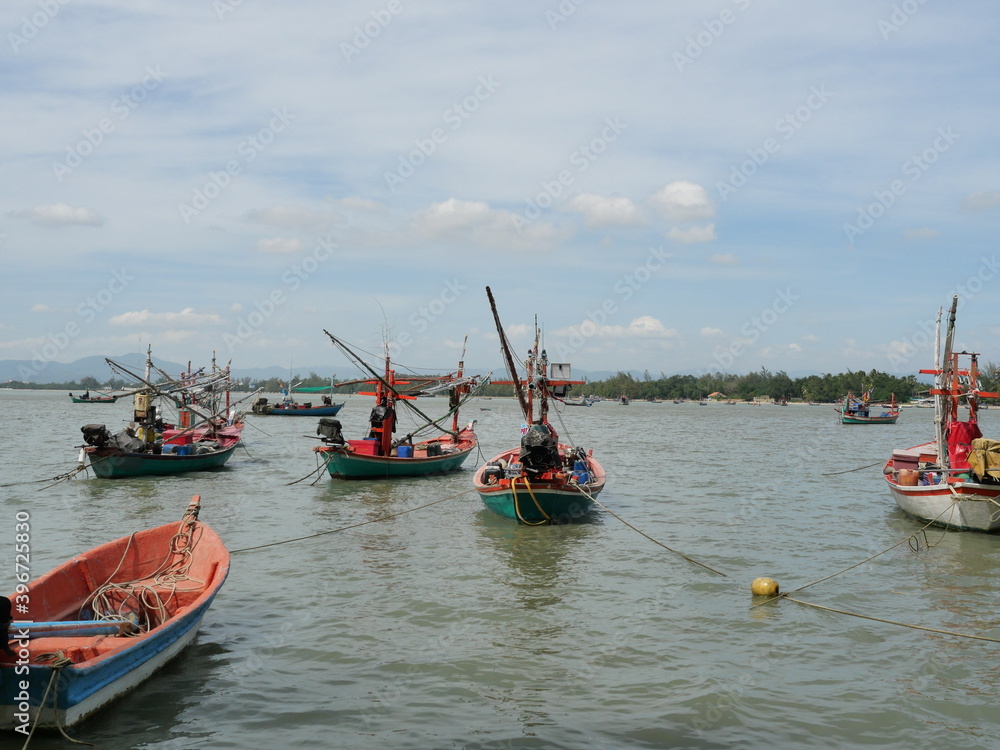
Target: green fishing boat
(541, 481)
(381, 456)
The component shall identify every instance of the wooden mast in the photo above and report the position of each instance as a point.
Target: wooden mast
(938, 404)
(518, 389)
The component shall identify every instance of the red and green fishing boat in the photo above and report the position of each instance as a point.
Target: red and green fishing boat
(542, 480)
(863, 410)
(206, 434)
(379, 455)
(86, 398)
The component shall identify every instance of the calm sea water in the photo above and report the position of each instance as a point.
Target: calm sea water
(449, 627)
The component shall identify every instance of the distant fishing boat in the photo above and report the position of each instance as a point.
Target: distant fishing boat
(863, 410)
(289, 407)
(86, 398)
(379, 454)
(108, 619)
(542, 480)
(953, 481)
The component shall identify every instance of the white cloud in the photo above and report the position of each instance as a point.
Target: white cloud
(644, 327)
(187, 316)
(59, 215)
(724, 259)
(295, 217)
(982, 201)
(692, 235)
(477, 222)
(709, 332)
(921, 234)
(280, 246)
(362, 204)
(40, 308)
(682, 201)
(598, 210)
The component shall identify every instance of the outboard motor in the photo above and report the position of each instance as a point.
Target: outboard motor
(329, 430)
(493, 472)
(95, 434)
(539, 451)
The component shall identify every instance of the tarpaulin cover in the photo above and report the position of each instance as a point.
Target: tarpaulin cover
(985, 457)
(960, 437)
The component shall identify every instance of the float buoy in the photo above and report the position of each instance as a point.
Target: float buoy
(764, 587)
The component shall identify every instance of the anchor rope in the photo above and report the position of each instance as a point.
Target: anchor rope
(352, 526)
(642, 533)
(59, 660)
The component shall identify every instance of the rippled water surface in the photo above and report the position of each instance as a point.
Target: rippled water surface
(449, 627)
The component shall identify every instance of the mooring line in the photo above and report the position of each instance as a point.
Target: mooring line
(894, 622)
(352, 526)
(907, 539)
(848, 471)
(317, 469)
(654, 541)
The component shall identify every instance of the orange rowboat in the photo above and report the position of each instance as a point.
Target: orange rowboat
(102, 623)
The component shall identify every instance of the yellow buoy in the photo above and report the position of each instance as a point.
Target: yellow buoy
(764, 587)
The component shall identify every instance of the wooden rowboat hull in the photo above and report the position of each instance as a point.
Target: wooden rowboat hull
(103, 668)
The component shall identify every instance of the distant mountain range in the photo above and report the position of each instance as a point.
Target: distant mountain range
(35, 371)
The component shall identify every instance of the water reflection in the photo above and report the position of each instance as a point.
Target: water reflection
(540, 561)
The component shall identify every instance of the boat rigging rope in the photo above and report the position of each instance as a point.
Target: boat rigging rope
(258, 428)
(352, 526)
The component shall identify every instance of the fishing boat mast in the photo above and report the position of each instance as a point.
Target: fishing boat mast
(938, 406)
(524, 401)
(387, 394)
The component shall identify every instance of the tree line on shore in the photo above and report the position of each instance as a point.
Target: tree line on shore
(762, 383)
(745, 387)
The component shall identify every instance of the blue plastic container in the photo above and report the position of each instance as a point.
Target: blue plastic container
(404, 451)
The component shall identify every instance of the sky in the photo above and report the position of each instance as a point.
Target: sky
(673, 187)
